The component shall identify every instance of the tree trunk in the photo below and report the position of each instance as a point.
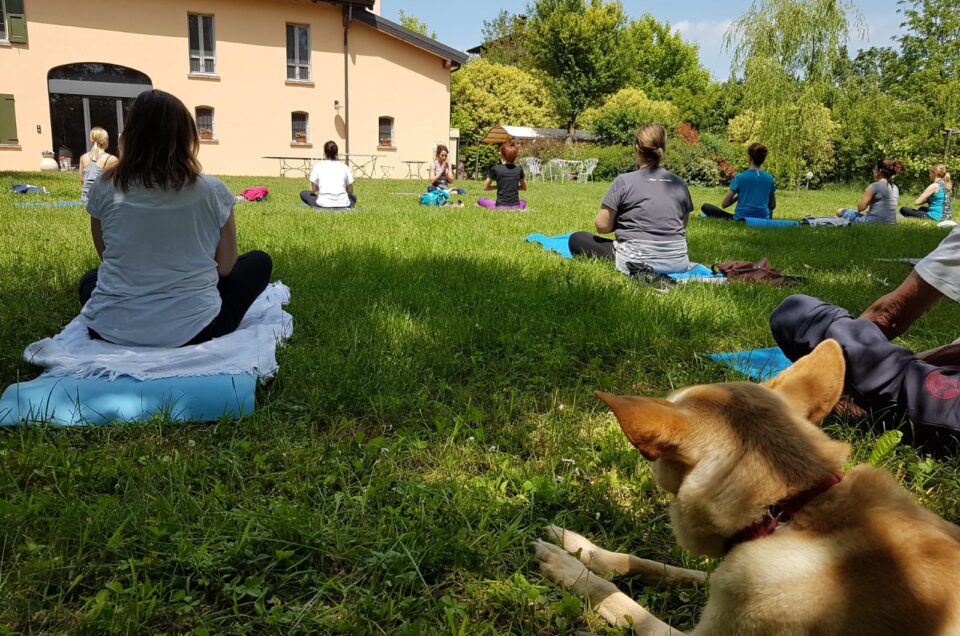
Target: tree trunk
(571, 130)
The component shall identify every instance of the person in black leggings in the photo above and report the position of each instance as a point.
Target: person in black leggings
(238, 291)
(753, 190)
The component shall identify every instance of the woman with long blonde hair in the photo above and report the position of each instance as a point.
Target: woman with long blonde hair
(934, 202)
(96, 161)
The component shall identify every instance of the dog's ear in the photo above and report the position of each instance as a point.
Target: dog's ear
(814, 383)
(655, 427)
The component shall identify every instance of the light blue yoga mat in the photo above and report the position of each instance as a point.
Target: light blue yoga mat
(71, 402)
(50, 204)
(561, 245)
(770, 222)
(759, 364)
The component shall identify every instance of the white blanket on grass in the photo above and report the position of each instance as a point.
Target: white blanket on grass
(250, 349)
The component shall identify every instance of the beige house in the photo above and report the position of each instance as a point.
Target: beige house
(264, 78)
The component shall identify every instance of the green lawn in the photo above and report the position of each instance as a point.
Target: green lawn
(433, 409)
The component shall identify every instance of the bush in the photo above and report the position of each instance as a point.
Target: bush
(692, 163)
(616, 121)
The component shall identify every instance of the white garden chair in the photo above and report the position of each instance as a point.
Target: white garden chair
(532, 167)
(586, 170)
(554, 169)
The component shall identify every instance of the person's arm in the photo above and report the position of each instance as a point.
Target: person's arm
(866, 200)
(226, 254)
(523, 184)
(729, 199)
(314, 188)
(605, 220)
(772, 203)
(111, 161)
(926, 194)
(96, 231)
(488, 184)
(432, 173)
(84, 160)
(896, 311)
(449, 172)
(349, 188)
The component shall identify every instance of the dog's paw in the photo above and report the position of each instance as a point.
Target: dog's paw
(595, 558)
(558, 565)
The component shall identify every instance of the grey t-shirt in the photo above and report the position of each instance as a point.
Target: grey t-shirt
(886, 201)
(157, 285)
(941, 267)
(651, 204)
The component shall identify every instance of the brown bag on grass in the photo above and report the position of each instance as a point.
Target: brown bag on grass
(760, 272)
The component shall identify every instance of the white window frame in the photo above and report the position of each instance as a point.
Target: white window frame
(213, 121)
(306, 127)
(4, 36)
(302, 71)
(204, 55)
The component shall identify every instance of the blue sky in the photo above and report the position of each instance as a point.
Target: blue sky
(458, 22)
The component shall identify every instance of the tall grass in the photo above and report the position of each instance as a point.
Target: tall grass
(433, 409)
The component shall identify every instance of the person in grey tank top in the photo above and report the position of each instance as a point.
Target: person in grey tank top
(93, 163)
(881, 199)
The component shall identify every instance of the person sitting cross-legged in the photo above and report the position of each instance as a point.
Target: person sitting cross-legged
(510, 181)
(647, 210)
(934, 202)
(753, 190)
(167, 239)
(331, 182)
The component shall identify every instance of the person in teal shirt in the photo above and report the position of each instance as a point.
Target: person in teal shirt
(934, 203)
(753, 190)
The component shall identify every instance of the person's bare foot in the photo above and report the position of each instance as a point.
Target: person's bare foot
(846, 407)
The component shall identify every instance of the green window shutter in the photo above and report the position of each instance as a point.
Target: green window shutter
(16, 22)
(8, 121)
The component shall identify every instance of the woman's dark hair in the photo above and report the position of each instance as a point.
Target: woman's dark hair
(889, 168)
(442, 148)
(158, 146)
(330, 150)
(757, 154)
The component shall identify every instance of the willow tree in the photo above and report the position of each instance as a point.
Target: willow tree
(787, 51)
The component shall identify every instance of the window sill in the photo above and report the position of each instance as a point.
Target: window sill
(213, 141)
(300, 144)
(210, 77)
(6, 44)
(10, 147)
(303, 83)
(387, 148)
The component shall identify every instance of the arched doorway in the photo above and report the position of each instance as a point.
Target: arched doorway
(89, 94)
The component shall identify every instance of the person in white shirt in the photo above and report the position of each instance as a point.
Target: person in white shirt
(331, 183)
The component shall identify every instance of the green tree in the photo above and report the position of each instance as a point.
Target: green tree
(505, 40)
(484, 95)
(626, 110)
(789, 52)
(662, 62)
(415, 24)
(577, 44)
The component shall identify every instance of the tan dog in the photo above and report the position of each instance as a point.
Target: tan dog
(848, 555)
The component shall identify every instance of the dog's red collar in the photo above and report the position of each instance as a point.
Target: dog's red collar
(782, 512)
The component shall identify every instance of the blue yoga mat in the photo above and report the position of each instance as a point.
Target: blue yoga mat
(759, 364)
(561, 245)
(770, 222)
(71, 402)
(50, 204)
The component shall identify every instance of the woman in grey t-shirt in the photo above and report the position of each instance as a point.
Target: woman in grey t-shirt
(167, 239)
(647, 210)
(881, 199)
